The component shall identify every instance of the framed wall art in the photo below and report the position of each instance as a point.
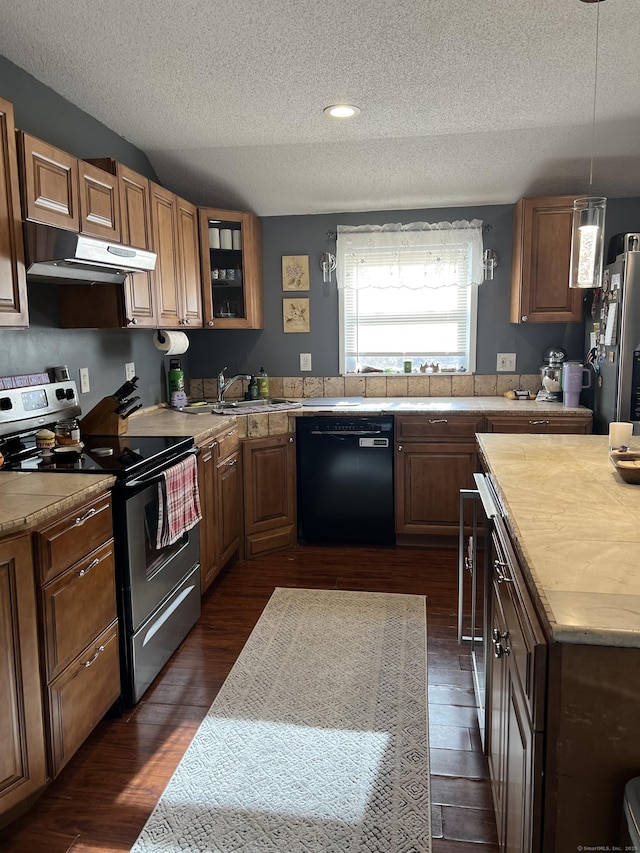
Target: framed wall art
(295, 272)
(295, 315)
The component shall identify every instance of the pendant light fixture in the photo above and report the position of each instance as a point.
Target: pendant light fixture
(587, 232)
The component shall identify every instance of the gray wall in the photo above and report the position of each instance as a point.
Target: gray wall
(42, 112)
(247, 351)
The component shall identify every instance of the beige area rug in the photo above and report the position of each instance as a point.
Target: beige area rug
(317, 741)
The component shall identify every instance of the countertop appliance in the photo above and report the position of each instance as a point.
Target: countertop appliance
(345, 480)
(615, 340)
(551, 375)
(158, 590)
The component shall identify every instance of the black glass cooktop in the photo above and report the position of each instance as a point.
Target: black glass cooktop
(122, 456)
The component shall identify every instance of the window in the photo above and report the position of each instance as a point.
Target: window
(408, 293)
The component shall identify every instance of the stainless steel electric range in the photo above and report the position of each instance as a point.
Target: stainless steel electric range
(158, 588)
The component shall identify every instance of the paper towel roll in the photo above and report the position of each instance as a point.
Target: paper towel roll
(171, 343)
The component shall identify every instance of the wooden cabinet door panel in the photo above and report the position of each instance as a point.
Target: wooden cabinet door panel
(76, 605)
(13, 283)
(22, 755)
(99, 202)
(209, 563)
(269, 482)
(49, 184)
(428, 482)
(540, 291)
(165, 245)
(82, 694)
(228, 495)
(189, 262)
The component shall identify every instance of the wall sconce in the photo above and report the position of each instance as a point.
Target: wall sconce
(489, 263)
(327, 265)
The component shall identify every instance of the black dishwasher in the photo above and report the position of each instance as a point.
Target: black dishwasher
(345, 480)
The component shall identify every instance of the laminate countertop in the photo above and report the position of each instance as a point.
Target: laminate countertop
(575, 525)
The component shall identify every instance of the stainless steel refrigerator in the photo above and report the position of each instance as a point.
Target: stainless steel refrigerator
(614, 339)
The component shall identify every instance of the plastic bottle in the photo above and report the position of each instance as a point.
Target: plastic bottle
(176, 376)
(262, 381)
(253, 389)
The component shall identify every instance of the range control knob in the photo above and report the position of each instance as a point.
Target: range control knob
(60, 395)
(5, 404)
(69, 394)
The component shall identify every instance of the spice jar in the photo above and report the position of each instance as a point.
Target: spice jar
(45, 439)
(67, 432)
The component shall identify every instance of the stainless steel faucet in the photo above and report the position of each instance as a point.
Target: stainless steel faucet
(224, 384)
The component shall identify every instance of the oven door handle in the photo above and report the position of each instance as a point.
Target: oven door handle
(155, 474)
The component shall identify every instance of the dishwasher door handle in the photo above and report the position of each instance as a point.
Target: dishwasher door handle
(342, 432)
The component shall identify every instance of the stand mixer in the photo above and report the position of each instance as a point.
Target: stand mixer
(552, 375)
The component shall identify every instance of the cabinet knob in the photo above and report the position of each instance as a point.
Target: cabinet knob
(400, 448)
(525, 318)
(290, 439)
(210, 323)
(131, 321)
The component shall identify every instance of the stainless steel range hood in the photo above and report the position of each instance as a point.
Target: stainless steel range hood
(53, 254)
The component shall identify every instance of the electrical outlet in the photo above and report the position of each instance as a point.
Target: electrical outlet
(305, 361)
(84, 380)
(129, 370)
(506, 362)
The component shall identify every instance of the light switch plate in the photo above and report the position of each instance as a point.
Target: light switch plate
(129, 370)
(305, 361)
(506, 362)
(85, 387)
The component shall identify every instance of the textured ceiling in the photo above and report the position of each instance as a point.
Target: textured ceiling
(463, 101)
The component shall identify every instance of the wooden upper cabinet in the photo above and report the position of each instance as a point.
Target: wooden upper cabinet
(231, 274)
(540, 291)
(58, 189)
(49, 183)
(175, 241)
(99, 203)
(13, 285)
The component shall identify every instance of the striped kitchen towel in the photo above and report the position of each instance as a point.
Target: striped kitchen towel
(178, 501)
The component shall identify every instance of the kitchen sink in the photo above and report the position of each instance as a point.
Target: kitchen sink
(207, 407)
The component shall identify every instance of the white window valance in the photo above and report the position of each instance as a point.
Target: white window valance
(417, 255)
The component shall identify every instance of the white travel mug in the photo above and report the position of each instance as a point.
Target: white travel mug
(214, 238)
(225, 238)
(236, 238)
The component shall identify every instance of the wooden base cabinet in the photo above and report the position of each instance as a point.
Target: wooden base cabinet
(434, 459)
(79, 627)
(23, 766)
(220, 490)
(269, 479)
(556, 424)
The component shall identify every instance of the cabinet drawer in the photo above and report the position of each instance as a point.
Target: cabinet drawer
(69, 539)
(540, 424)
(525, 641)
(444, 427)
(82, 694)
(77, 606)
(228, 442)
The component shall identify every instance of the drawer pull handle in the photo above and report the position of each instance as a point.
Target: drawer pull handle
(99, 650)
(212, 445)
(535, 423)
(229, 434)
(439, 421)
(232, 462)
(91, 565)
(499, 566)
(86, 516)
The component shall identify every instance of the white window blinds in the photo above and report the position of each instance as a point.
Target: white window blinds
(405, 293)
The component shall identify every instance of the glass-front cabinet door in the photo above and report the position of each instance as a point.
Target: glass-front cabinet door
(231, 246)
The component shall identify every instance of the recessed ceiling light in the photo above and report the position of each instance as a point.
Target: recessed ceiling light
(341, 111)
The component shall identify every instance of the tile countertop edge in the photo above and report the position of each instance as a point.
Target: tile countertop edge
(559, 629)
(49, 505)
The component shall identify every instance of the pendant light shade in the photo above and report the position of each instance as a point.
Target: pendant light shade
(587, 242)
(587, 229)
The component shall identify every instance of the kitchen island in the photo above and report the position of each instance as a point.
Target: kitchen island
(562, 701)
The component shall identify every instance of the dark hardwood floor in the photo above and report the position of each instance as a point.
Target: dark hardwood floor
(101, 800)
